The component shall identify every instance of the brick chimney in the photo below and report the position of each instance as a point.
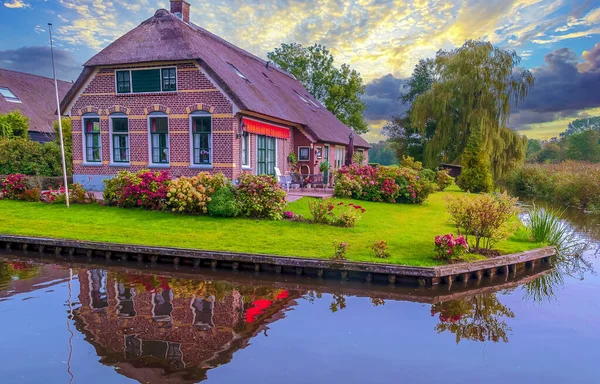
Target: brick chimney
(181, 9)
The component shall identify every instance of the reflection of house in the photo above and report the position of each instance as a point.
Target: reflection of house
(158, 334)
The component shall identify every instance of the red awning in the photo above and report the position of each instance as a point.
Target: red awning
(260, 128)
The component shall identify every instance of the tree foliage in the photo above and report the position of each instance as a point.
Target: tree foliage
(584, 146)
(407, 139)
(14, 124)
(470, 100)
(383, 153)
(581, 125)
(338, 89)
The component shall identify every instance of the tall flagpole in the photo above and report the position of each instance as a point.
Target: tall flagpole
(60, 131)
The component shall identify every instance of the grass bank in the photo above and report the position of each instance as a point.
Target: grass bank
(408, 229)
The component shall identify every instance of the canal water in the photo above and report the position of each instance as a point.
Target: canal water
(76, 323)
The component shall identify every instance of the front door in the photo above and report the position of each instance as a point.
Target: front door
(326, 159)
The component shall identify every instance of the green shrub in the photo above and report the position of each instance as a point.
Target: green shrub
(443, 180)
(428, 174)
(223, 203)
(28, 157)
(476, 174)
(486, 217)
(14, 125)
(571, 183)
(260, 196)
(409, 162)
(545, 226)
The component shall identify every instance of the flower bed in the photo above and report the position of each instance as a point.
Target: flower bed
(385, 184)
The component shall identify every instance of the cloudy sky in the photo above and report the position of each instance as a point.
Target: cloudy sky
(559, 40)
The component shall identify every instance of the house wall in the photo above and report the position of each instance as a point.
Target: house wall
(195, 92)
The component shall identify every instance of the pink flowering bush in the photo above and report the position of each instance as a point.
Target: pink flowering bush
(449, 248)
(260, 196)
(145, 189)
(14, 186)
(385, 184)
(77, 194)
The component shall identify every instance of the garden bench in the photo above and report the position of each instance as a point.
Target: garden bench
(284, 180)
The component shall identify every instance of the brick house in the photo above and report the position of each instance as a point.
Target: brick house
(34, 96)
(171, 95)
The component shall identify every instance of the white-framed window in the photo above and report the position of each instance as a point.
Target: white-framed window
(339, 157)
(92, 141)
(119, 139)
(146, 80)
(201, 139)
(158, 133)
(246, 150)
(303, 153)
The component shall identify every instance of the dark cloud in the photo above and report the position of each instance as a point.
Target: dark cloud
(37, 60)
(382, 98)
(563, 86)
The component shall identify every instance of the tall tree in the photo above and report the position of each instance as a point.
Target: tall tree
(470, 101)
(584, 146)
(338, 89)
(581, 125)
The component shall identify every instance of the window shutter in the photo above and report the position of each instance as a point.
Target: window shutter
(146, 80)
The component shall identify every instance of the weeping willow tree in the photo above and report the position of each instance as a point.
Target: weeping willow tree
(470, 100)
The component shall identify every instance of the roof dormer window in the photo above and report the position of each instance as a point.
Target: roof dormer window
(240, 74)
(8, 95)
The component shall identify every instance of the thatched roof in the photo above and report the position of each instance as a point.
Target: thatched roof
(265, 90)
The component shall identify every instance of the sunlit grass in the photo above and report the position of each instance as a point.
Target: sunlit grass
(408, 229)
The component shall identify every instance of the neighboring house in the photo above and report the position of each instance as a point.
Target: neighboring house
(171, 95)
(35, 97)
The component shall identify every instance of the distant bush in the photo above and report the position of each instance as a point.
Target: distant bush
(571, 183)
(14, 125)
(386, 184)
(260, 196)
(482, 219)
(223, 203)
(443, 180)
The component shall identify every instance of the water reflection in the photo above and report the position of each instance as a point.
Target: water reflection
(161, 329)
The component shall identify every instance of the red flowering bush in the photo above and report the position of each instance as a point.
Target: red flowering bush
(340, 214)
(14, 186)
(260, 196)
(145, 189)
(449, 248)
(387, 184)
(380, 248)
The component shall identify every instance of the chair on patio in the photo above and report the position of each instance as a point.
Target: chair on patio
(284, 180)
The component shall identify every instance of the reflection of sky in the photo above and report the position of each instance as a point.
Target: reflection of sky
(35, 341)
(550, 342)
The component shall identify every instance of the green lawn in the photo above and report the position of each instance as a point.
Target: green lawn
(408, 229)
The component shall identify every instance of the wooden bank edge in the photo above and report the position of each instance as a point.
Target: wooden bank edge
(505, 264)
